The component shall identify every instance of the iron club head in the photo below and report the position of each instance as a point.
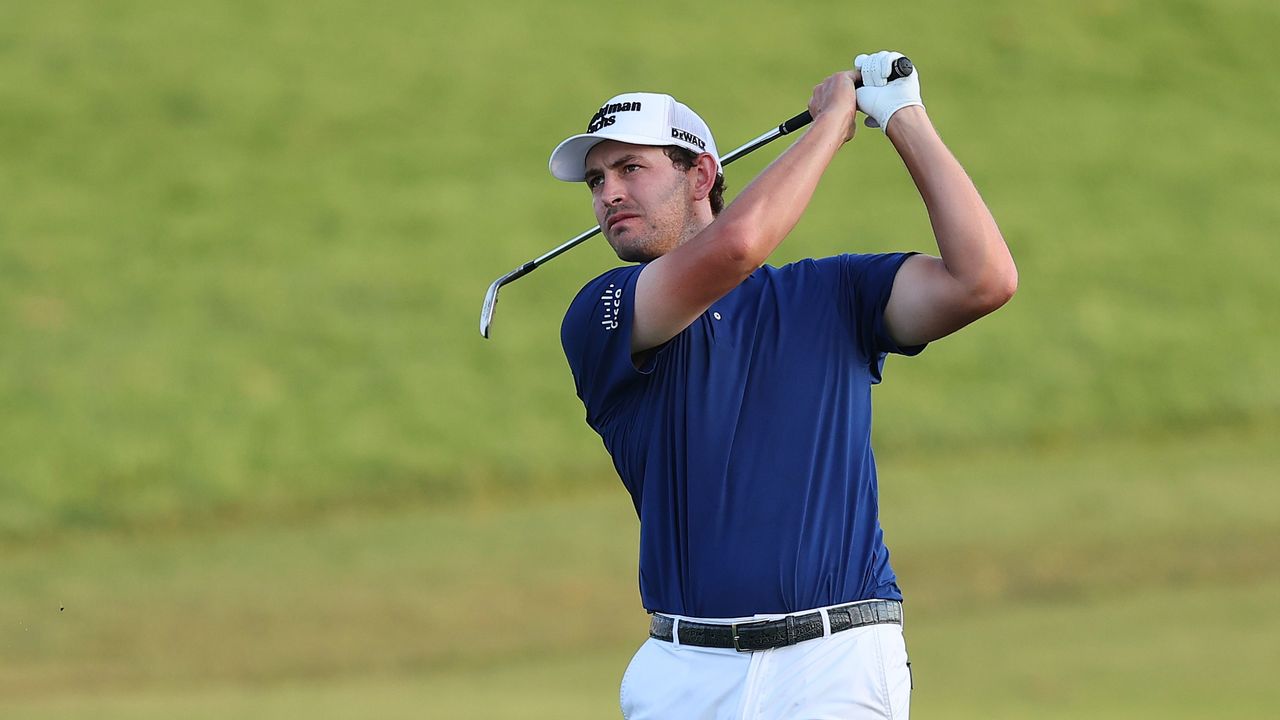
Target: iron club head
(491, 296)
(486, 310)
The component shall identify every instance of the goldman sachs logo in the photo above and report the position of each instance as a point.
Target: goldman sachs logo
(605, 116)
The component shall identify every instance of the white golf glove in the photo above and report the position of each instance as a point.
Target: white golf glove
(878, 97)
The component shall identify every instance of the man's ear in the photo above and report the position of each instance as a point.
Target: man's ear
(705, 176)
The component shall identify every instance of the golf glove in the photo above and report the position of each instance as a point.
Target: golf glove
(877, 97)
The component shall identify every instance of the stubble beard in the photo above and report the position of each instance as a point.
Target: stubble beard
(668, 229)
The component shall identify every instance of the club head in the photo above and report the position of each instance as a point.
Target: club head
(486, 310)
(491, 297)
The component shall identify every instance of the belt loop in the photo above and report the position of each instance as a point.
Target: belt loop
(675, 632)
(826, 623)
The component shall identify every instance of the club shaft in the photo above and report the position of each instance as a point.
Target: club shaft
(491, 297)
(901, 68)
(791, 125)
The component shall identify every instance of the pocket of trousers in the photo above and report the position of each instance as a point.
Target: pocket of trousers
(892, 649)
(624, 694)
(626, 702)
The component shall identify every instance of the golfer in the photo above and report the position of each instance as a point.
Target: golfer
(735, 397)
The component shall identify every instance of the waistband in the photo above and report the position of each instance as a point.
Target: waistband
(753, 635)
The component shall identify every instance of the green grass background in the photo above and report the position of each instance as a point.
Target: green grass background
(256, 461)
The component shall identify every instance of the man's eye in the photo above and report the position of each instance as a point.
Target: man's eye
(594, 182)
(631, 168)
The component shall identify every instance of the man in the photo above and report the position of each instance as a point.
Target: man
(734, 397)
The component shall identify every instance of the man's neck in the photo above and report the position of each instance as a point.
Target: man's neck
(698, 221)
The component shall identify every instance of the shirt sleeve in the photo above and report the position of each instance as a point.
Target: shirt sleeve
(596, 337)
(866, 281)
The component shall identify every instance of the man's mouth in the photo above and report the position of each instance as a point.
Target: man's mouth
(617, 218)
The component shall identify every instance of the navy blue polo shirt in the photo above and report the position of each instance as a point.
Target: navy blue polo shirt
(745, 441)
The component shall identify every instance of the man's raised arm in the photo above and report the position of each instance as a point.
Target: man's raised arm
(935, 296)
(676, 288)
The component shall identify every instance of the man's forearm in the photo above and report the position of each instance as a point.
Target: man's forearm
(769, 207)
(969, 241)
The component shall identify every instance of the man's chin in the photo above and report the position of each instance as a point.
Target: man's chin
(635, 255)
(633, 252)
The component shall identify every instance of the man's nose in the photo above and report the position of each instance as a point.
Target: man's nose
(612, 193)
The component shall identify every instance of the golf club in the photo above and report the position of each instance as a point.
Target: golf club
(902, 67)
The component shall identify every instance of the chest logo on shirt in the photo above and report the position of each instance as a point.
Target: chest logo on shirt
(611, 305)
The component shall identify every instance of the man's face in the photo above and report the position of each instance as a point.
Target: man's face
(643, 203)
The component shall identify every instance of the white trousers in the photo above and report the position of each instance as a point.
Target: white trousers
(858, 673)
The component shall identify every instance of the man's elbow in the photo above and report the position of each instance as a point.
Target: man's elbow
(997, 289)
(742, 244)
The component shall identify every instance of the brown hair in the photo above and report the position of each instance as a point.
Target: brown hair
(684, 159)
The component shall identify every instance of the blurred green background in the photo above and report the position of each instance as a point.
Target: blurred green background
(256, 461)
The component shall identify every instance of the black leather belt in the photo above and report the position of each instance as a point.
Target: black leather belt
(766, 634)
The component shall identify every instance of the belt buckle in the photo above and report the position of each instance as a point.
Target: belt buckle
(733, 628)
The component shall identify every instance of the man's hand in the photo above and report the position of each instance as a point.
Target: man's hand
(878, 97)
(835, 98)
